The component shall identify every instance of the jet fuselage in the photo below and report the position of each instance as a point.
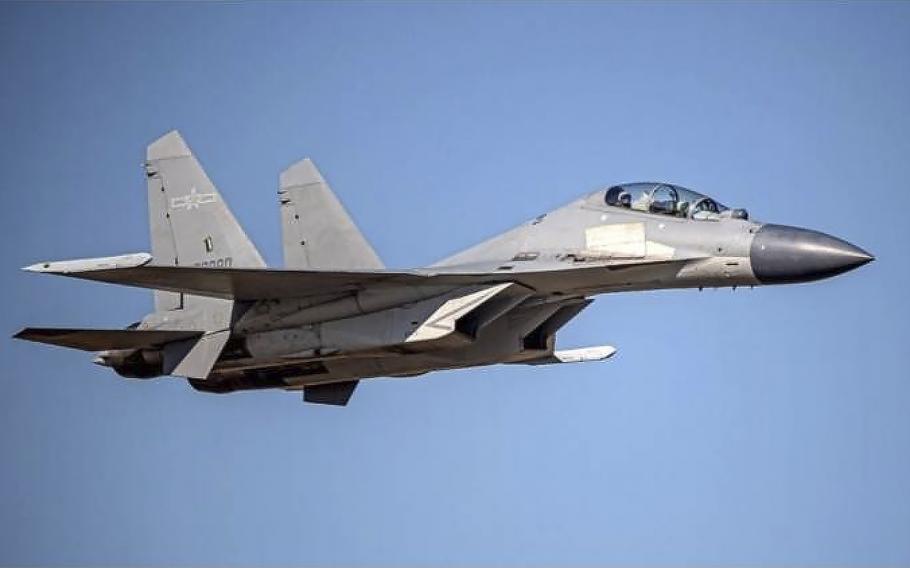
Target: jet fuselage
(335, 315)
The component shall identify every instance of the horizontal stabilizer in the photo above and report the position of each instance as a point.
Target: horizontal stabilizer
(104, 339)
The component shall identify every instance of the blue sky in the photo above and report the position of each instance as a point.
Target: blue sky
(762, 427)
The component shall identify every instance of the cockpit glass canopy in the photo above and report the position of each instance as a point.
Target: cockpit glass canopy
(663, 198)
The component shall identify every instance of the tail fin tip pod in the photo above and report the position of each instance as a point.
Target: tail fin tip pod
(317, 232)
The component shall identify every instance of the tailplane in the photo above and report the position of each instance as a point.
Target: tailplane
(104, 339)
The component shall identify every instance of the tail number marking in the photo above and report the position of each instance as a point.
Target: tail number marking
(225, 262)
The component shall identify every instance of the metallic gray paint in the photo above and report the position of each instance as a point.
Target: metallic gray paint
(335, 315)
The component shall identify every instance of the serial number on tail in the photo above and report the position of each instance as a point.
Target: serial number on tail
(225, 262)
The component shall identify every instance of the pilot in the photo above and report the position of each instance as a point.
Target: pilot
(625, 200)
(705, 208)
(682, 209)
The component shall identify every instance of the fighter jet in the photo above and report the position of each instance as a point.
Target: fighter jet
(334, 314)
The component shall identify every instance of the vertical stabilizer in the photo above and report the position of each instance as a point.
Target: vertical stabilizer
(317, 232)
(190, 223)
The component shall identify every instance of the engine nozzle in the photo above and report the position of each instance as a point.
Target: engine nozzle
(132, 363)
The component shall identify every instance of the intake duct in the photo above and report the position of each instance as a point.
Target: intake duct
(542, 338)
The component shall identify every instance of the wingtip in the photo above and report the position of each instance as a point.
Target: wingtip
(38, 267)
(88, 264)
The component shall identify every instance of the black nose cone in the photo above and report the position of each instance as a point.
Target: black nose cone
(782, 255)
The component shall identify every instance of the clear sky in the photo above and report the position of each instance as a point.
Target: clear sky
(759, 427)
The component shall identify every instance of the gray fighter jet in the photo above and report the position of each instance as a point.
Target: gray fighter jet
(335, 314)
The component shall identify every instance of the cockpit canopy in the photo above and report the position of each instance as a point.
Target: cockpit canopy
(668, 199)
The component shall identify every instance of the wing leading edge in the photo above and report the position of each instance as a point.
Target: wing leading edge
(251, 284)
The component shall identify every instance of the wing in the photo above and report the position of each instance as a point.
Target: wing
(251, 284)
(103, 339)
(226, 283)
